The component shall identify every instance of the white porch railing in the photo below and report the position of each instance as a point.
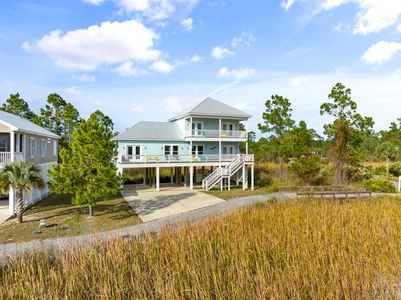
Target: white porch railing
(5, 157)
(197, 133)
(202, 158)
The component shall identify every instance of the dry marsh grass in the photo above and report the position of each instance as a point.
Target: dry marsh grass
(284, 250)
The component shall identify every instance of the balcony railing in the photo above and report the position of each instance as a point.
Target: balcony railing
(5, 157)
(202, 158)
(197, 133)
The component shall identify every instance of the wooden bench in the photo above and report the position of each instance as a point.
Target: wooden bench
(334, 194)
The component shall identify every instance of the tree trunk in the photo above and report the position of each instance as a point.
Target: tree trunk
(91, 212)
(280, 159)
(387, 160)
(20, 205)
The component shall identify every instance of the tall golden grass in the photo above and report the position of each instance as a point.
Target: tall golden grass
(285, 250)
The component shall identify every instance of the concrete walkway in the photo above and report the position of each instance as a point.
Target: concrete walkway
(171, 200)
(135, 231)
(4, 210)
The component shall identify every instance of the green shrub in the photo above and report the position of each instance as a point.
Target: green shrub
(381, 170)
(395, 169)
(263, 178)
(379, 185)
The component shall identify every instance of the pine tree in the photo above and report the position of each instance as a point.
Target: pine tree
(87, 170)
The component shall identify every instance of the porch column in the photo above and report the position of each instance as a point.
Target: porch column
(185, 176)
(11, 201)
(157, 179)
(171, 175)
(252, 176)
(191, 177)
(220, 140)
(12, 145)
(243, 176)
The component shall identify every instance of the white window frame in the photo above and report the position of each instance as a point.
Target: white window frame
(32, 147)
(195, 150)
(43, 149)
(54, 147)
(135, 157)
(196, 131)
(229, 128)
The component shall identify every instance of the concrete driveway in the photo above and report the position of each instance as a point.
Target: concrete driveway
(4, 210)
(171, 200)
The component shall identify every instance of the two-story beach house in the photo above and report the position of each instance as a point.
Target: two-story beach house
(22, 140)
(199, 145)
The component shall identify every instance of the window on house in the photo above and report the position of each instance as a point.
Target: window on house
(170, 149)
(32, 147)
(42, 147)
(197, 150)
(135, 151)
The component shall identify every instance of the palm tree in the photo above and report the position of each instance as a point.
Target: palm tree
(22, 177)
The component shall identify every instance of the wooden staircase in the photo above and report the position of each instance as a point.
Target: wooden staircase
(217, 176)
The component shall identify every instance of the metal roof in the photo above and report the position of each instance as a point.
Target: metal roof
(16, 123)
(163, 131)
(212, 108)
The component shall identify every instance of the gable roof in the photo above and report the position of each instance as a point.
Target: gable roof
(212, 108)
(163, 131)
(16, 123)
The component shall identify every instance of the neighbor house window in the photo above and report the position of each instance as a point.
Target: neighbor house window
(32, 147)
(43, 147)
(54, 147)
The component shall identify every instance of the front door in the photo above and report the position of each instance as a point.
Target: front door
(197, 128)
(228, 152)
(134, 153)
(228, 129)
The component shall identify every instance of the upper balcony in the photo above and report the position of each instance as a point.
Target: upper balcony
(239, 135)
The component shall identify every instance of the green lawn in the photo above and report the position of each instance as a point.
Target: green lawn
(64, 219)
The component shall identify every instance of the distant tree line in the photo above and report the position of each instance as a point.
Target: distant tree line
(349, 139)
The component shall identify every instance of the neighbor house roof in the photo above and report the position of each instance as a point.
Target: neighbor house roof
(164, 131)
(212, 108)
(16, 123)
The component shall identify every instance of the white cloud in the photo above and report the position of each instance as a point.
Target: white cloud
(287, 4)
(95, 2)
(188, 24)
(134, 5)
(162, 66)
(246, 38)
(196, 59)
(172, 105)
(137, 108)
(376, 15)
(300, 80)
(220, 52)
(127, 69)
(381, 52)
(237, 74)
(85, 78)
(372, 15)
(109, 43)
(73, 90)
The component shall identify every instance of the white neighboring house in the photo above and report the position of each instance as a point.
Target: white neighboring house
(22, 140)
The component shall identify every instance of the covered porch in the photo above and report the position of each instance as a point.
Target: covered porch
(189, 172)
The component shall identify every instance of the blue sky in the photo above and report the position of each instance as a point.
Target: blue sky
(149, 59)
